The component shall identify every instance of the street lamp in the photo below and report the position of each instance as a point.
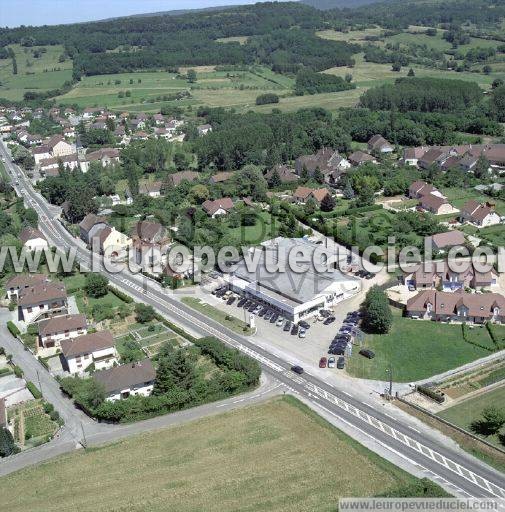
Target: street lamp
(389, 371)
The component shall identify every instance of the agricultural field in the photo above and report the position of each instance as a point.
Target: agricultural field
(34, 74)
(246, 459)
(148, 91)
(466, 412)
(417, 349)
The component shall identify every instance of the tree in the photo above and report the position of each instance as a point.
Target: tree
(275, 179)
(176, 368)
(377, 314)
(487, 69)
(199, 193)
(144, 313)
(310, 206)
(348, 191)
(7, 445)
(396, 67)
(491, 422)
(191, 76)
(328, 203)
(411, 72)
(318, 175)
(250, 182)
(481, 167)
(96, 285)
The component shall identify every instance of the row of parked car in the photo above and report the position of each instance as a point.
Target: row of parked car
(262, 311)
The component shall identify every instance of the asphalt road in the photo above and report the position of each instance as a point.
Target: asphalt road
(463, 474)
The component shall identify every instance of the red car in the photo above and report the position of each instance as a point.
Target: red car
(322, 362)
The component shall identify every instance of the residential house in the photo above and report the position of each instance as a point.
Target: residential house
(95, 349)
(446, 240)
(435, 204)
(286, 174)
(326, 160)
(419, 189)
(433, 157)
(90, 226)
(130, 379)
(496, 156)
(22, 281)
(59, 147)
(360, 157)
(218, 206)
(41, 300)
(204, 129)
(457, 307)
(112, 243)
(106, 156)
(221, 177)
(177, 178)
(150, 188)
(33, 239)
(378, 144)
(303, 194)
(479, 214)
(53, 331)
(468, 162)
(41, 153)
(150, 242)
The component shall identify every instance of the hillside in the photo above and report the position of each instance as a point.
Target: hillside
(326, 5)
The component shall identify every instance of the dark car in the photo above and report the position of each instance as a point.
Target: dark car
(268, 315)
(369, 275)
(325, 313)
(287, 326)
(367, 353)
(341, 363)
(322, 362)
(336, 351)
(241, 302)
(274, 318)
(263, 312)
(294, 329)
(329, 320)
(231, 300)
(216, 290)
(297, 369)
(304, 324)
(252, 307)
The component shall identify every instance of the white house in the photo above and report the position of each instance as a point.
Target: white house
(127, 380)
(33, 239)
(59, 146)
(480, 215)
(42, 300)
(96, 348)
(53, 331)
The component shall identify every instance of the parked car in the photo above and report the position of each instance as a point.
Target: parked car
(274, 318)
(304, 324)
(252, 307)
(369, 275)
(329, 320)
(294, 329)
(365, 352)
(301, 333)
(257, 309)
(215, 291)
(287, 326)
(322, 362)
(339, 351)
(412, 288)
(325, 313)
(331, 362)
(341, 363)
(268, 315)
(297, 369)
(231, 300)
(263, 312)
(241, 302)
(280, 322)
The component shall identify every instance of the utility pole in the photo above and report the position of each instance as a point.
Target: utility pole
(390, 372)
(38, 378)
(84, 442)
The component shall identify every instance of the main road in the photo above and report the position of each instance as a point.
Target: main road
(459, 472)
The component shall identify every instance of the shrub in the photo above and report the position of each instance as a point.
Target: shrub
(144, 313)
(96, 285)
(265, 99)
(120, 295)
(18, 372)
(431, 393)
(13, 329)
(33, 390)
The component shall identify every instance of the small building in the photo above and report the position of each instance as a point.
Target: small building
(19, 282)
(41, 300)
(150, 241)
(112, 243)
(53, 331)
(90, 349)
(106, 156)
(127, 380)
(378, 144)
(41, 153)
(204, 129)
(150, 188)
(177, 178)
(285, 173)
(435, 204)
(33, 239)
(479, 214)
(221, 177)
(446, 240)
(420, 188)
(360, 157)
(90, 226)
(326, 160)
(218, 206)
(302, 194)
(59, 147)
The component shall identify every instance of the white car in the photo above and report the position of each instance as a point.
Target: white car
(301, 333)
(331, 362)
(279, 322)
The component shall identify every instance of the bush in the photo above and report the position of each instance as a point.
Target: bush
(144, 313)
(96, 285)
(13, 329)
(18, 372)
(265, 99)
(431, 393)
(33, 390)
(120, 295)
(7, 445)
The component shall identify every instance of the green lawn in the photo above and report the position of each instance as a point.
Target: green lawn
(34, 74)
(277, 457)
(458, 197)
(464, 413)
(232, 322)
(265, 228)
(416, 349)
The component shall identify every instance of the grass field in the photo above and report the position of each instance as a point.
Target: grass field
(458, 197)
(415, 349)
(470, 410)
(232, 322)
(277, 456)
(34, 74)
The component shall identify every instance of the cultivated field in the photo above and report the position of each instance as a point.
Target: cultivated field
(34, 74)
(273, 457)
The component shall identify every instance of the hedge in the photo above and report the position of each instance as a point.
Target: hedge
(18, 372)
(13, 329)
(33, 390)
(120, 295)
(434, 395)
